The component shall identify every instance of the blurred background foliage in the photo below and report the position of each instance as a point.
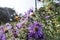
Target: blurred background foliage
(49, 15)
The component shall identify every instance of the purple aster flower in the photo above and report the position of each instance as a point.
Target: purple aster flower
(30, 10)
(2, 34)
(3, 37)
(8, 26)
(1, 31)
(35, 31)
(15, 32)
(47, 17)
(21, 23)
(25, 17)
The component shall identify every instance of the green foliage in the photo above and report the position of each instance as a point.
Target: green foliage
(52, 24)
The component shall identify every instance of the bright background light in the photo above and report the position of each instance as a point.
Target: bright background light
(19, 5)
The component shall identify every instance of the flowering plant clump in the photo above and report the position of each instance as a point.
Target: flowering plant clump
(41, 25)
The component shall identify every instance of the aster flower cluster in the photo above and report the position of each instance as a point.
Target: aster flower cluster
(8, 28)
(34, 29)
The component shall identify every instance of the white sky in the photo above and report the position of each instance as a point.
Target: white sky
(19, 5)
